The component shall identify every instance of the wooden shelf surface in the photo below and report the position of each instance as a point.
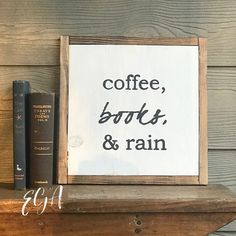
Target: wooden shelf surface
(123, 198)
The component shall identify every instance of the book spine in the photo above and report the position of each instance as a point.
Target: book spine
(20, 95)
(41, 110)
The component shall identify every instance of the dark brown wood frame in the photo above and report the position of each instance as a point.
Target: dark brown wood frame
(64, 178)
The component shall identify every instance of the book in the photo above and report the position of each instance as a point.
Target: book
(20, 99)
(41, 117)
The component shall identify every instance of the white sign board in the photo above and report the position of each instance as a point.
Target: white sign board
(133, 110)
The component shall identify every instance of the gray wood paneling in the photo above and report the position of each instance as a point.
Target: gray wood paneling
(222, 107)
(222, 168)
(29, 30)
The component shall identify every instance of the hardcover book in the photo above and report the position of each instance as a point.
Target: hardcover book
(41, 109)
(20, 95)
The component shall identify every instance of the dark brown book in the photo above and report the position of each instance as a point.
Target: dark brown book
(41, 110)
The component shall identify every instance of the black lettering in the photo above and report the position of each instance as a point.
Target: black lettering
(129, 117)
(140, 144)
(118, 117)
(105, 82)
(142, 82)
(135, 82)
(122, 83)
(154, 82)
(128, 143)
(163, 144)
(106, 115)
(128, 81)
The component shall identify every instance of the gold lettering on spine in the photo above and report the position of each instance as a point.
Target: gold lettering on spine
(42, 112)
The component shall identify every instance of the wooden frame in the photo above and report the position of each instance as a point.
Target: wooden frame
(64, 178)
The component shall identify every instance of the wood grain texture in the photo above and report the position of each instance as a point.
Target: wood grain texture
(124, 198)
(133, 179)
(63, 112)
(203, 112)
(221, 129)
(138, 199)
(90, 40)
(222, 107)
(219, 163)
(222, 166)
(167, 224)
(30, 30)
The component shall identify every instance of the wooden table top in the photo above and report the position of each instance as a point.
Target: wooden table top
(124, 198)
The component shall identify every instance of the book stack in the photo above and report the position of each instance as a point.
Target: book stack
(33, 134)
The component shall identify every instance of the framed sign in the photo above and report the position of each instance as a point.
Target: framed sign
(133, 111)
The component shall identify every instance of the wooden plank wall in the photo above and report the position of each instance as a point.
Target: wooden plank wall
(29, 49)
